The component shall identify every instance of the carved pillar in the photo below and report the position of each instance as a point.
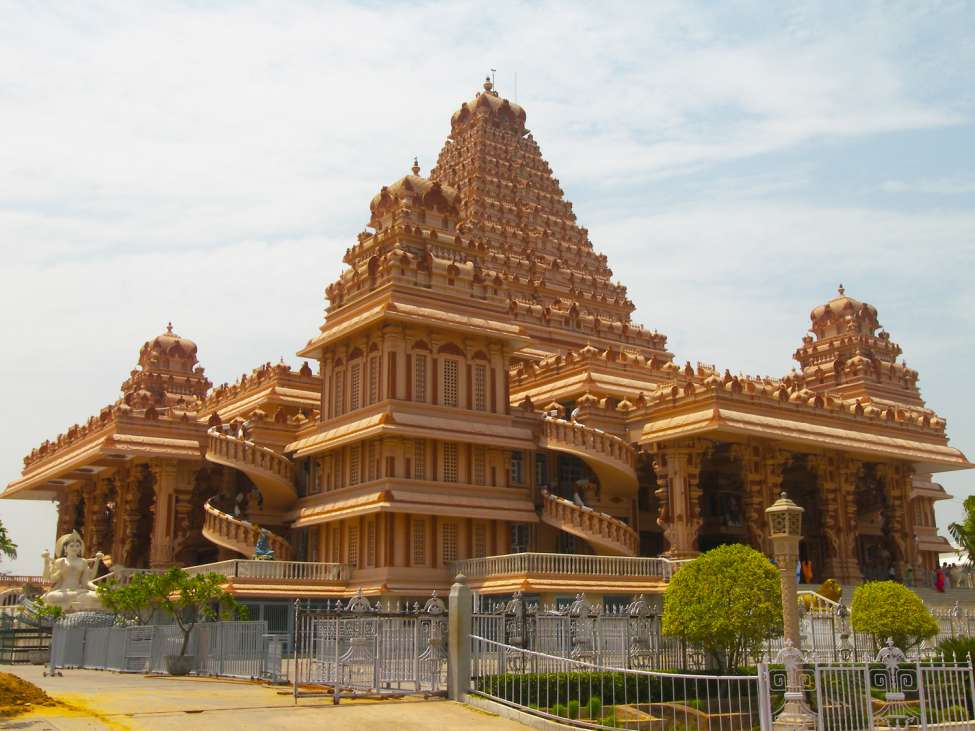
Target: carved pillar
(898, 479)
(848, 563)
(68, 509)
(121, 479)
(754, 501)
(828, 485)
(678, 468)
(98, 535)
(162, 543)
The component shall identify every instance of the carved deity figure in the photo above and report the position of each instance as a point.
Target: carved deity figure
(71, 575)
(263, 550)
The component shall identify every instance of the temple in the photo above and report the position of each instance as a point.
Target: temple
(483, 403)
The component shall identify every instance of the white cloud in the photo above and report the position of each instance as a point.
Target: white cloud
(209, 165)
(937, 186)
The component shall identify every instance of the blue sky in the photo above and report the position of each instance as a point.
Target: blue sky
(209, 163)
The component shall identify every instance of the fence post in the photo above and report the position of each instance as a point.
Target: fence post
(459, 611)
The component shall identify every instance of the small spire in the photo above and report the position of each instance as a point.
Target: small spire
(841, 290)
(416, 166)
(169, 328)
(488, 85)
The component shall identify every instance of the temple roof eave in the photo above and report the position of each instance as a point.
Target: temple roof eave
(415, 315)
(114, 443)
(715, 420)
(413, 425)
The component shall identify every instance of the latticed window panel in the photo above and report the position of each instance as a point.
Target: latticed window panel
(354, 545)
(448, 541)
(355, 386)
(374, 379)
(336, 544)
(371, 543)
(449, 382)
(517, 468)
(419, 542)
(480, 540)
(419, 378)
(419, 459)
(338, 391)
(372, 461)
(480, 387)
(355, 467)
(450, 462)
(479, 470)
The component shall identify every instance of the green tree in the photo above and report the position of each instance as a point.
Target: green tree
(964, 532)
(187, 598)
(133, 602)
(727, 601)
(886, 609)
(191, 598)
(7, 547)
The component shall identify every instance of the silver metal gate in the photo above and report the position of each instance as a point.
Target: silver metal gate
(363, 648)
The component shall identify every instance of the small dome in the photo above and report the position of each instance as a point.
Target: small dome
(841, 305)
(489, 102)
(421, 191)
(169, 343)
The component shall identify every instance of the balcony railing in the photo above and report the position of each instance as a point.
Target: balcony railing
(595, 441)
(239, 535)
(600, 529)
(280, 570)
(273, 473)
(566, 564)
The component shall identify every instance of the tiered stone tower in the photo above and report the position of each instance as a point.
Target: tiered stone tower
(527, 236)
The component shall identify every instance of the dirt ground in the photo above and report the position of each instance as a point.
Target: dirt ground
(92, 700)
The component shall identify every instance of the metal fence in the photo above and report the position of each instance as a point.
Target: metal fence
(229, 649)
(631, 636)
(585, 695)
(363, 648)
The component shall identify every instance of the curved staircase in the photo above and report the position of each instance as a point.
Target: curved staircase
(606, 534)
(611, 458)
(239, 535)
(274, 474)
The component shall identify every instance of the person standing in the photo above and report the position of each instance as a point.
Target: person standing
(939, 580)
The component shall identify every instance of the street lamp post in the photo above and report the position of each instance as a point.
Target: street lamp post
(785, 529)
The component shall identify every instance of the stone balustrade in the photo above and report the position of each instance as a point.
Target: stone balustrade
(313, 571)
(239, 535)
(244, 454)
(22, 580)
(601, 444)
(566, 564)
(598, 528)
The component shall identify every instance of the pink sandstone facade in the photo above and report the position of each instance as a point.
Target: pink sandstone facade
(484, 403)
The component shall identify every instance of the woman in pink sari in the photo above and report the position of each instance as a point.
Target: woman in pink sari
(939, 580)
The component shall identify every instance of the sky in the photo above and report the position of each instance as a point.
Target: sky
(208, 163)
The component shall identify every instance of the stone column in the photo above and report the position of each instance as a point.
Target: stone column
(162, 544)
(848, 563)
(68, 509)
(749, 456)
(459, 610)
(900, 521)
(99, 530)
(678, 467)
(828, 486)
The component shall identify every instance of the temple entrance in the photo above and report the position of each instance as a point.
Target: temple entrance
(877, 553)
(801, 485)
(721, 487)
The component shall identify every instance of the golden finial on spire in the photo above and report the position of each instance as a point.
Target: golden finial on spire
(169, 328)
(841, 290)
(416, 166)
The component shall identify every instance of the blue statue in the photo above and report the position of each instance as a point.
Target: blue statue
(263, 550)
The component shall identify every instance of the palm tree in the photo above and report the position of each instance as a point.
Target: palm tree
(964, 533)
(7, 547)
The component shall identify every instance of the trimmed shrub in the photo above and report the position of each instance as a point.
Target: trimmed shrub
(727, 601)
(595, 707)
(957, 648)
(548, 689)
(885, 609)
(572, 707)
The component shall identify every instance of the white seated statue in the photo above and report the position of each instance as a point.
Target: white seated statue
(71, 575)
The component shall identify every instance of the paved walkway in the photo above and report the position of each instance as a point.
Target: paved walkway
(105, 700)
